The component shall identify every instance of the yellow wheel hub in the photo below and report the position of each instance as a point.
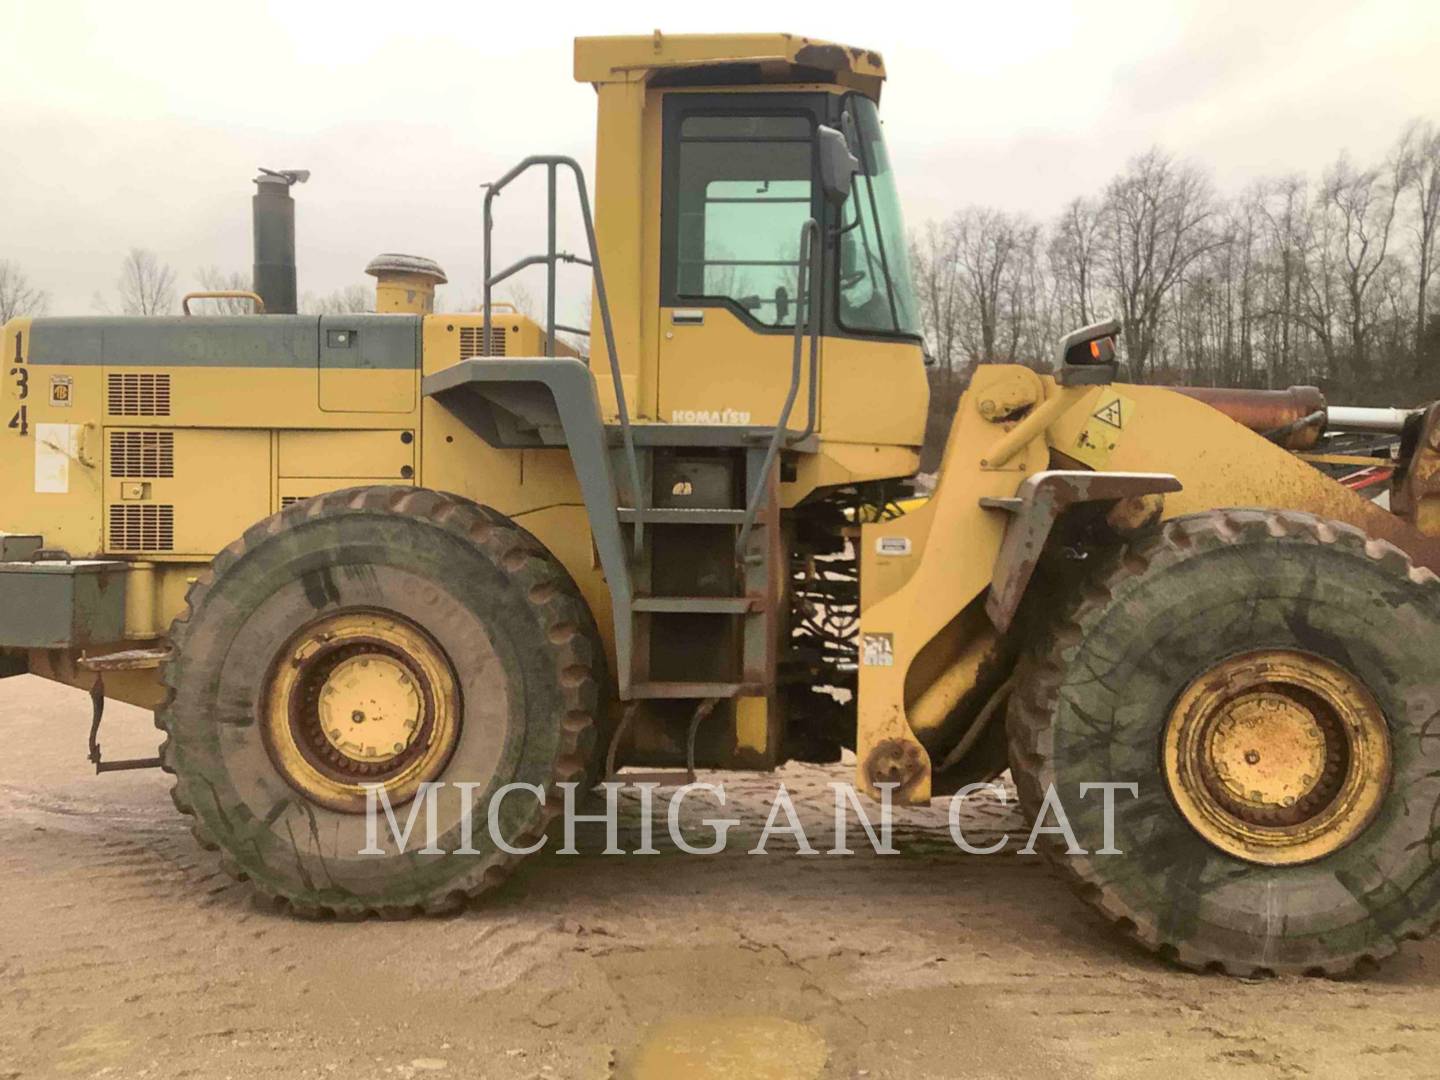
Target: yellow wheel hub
(370, 707)
(358, 699)
(1277, 757)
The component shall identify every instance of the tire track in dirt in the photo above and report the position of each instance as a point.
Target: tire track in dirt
(122, 948)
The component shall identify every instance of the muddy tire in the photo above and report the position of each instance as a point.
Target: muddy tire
(387, 635)
(1224, 880)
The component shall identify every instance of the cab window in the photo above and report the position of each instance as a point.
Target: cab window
(876, 291)
(742, 190)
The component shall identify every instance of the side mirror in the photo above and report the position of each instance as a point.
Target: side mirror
(837, 164)
(1087, 356)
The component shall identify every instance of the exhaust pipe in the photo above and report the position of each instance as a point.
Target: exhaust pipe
(274, 217)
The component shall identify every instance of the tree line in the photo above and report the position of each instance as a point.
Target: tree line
(147, 285)
(1327, 280)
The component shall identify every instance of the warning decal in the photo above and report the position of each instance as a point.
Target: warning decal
(1100, 434)
(1111, 413)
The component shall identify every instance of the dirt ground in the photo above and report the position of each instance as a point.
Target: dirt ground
(124, 952)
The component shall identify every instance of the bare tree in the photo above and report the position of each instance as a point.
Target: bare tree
(517, 293)
(1419, 157)
(17, 295)
(936, 272)
(986, 242)
(1029, 307)
(1243, 250)
(213, 279)
(351, 300)
(1281, 214)
(519, 296)
(1321, 306)
(1157, 218)
(146, 286)
(1290, 281)
(1073, 258)
(1204, 322)
(1358, 208)
(580, 342)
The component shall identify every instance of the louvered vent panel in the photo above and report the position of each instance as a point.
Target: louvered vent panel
(472, 336)
(142, 527)
(142, 455)
(138, 393)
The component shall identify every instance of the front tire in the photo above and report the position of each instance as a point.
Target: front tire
(384, 635)
(1269, 681)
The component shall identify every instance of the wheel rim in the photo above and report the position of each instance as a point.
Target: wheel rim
(1277, 757)
(357, 699)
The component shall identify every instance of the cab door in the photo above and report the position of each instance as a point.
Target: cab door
(738, 184)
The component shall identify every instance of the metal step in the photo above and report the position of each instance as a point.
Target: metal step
(129, 660)
(697, 605)
(660, 515)
(695, 690)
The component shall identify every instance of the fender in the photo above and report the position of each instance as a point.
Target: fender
(550, 402)
(1035, 508)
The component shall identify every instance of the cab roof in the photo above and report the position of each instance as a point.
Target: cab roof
(717, 59)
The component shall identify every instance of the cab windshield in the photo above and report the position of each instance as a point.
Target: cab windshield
(876, 292)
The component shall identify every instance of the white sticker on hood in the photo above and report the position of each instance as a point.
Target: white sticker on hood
(56, 445)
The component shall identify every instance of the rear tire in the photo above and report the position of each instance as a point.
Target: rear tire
(386, 635)
(1270, 601)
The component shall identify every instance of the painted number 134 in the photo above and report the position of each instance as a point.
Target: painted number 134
(20, 422)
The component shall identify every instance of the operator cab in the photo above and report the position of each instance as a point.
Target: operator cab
(743, 140)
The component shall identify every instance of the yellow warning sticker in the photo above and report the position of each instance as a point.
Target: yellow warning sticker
(1100, 434)
(1112, 413)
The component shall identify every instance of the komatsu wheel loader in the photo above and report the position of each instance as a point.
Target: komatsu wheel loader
(346, 553)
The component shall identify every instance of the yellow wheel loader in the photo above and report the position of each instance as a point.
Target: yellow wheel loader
(348, 554)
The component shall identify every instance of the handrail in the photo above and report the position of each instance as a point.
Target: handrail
(813, 392)
(223, 294)
(552, 162)
(807, 283)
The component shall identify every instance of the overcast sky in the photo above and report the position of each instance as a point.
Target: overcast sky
(140, 124)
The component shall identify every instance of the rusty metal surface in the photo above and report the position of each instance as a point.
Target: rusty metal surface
(96, 758)
(1223, 465)
(1277, 757)
(1130, 515)
(1415, 486)
(127, 660)
(898, 762)
(1039, 502)
(1266, 410)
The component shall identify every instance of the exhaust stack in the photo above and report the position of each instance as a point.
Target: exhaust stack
(274, 217)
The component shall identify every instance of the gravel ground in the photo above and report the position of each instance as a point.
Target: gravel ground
(124, 952)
